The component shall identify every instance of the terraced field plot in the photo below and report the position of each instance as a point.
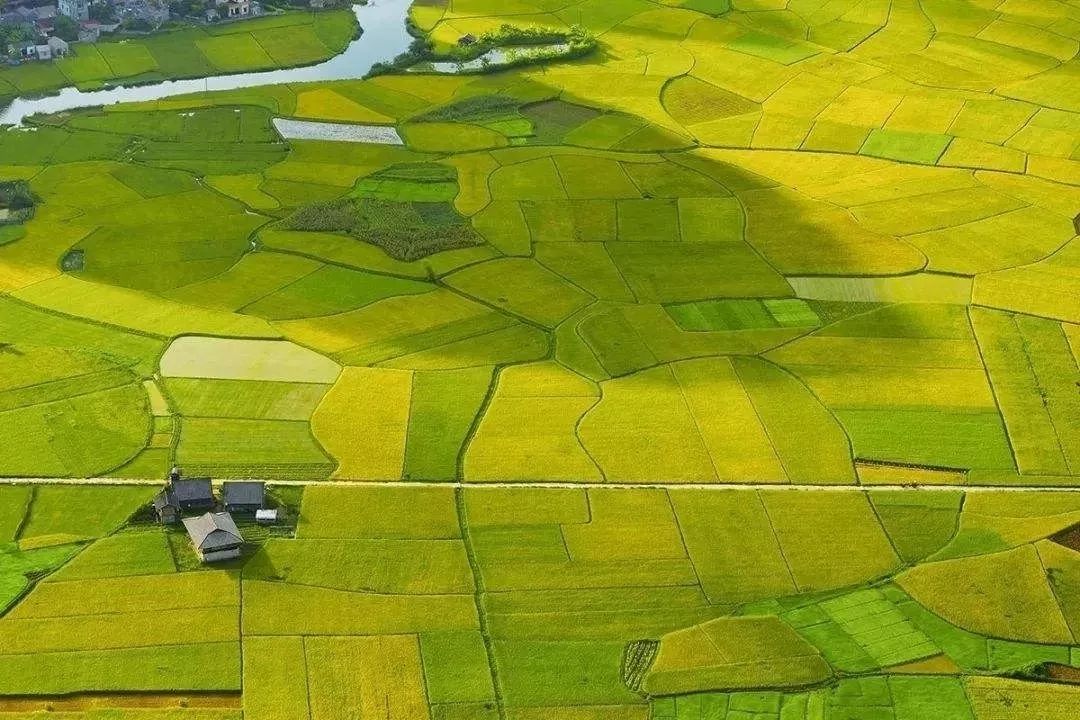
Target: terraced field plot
(419, 602)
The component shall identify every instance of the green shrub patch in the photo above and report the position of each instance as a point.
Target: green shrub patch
(16, 202)
(405, 230)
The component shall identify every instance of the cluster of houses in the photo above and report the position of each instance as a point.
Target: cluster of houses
(209, 523)
(42, 29)
(27, 32)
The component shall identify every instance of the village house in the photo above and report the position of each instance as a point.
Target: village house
(181, 496)
(232, 10)
(45, 19)
(53, 47)
(58, 46)
(36, 20)
(243, 497)
(214, 536)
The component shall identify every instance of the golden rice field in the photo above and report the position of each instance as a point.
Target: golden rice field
(513, 371)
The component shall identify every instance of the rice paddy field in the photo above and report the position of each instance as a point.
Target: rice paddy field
(768, 242)
(727, 372)
(486, 603)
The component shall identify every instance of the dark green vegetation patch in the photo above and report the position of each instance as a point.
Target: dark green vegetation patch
(406, 210)
(17, 203)
(405, 230)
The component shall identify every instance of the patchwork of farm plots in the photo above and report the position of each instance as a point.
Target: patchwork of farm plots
(772, 242)
(529, 603)
(295, 38)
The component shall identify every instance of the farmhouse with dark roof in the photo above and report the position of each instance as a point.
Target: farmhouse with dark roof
(180, 496)
(243, 497)
(214, 536)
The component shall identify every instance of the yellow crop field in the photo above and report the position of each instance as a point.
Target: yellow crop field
(712, 656)
(362, 423)
(365, 675)
(325, 104)
(529, 429)
(1027, 610)
(602, 360)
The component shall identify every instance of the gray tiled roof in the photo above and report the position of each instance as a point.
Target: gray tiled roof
(163, 499)
(194, 490)
(243, 493)
(213, 531)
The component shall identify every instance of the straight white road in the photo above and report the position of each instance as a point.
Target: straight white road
(586, 485)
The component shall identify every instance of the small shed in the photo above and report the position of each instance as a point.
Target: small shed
(266, 517)
(214, 536)
(165, 507)
(244, 497)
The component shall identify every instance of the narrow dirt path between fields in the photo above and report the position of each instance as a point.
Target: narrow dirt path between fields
(570, 485)
(106, 700)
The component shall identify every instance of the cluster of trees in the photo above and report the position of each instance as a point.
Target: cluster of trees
(11, 35)
(65, 28)
(18, 199)
(577, 39)
(190, 8)
(103, 12)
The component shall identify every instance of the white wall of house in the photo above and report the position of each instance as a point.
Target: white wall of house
(220, 555)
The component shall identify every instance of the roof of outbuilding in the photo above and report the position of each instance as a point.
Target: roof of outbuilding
(213, 531)
(243, 493)
(164, 499)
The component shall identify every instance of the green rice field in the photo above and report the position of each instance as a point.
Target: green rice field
(726, 372)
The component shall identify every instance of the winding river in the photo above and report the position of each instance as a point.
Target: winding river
(384, 38)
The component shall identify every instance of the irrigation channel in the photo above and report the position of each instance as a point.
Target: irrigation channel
(384, 37)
